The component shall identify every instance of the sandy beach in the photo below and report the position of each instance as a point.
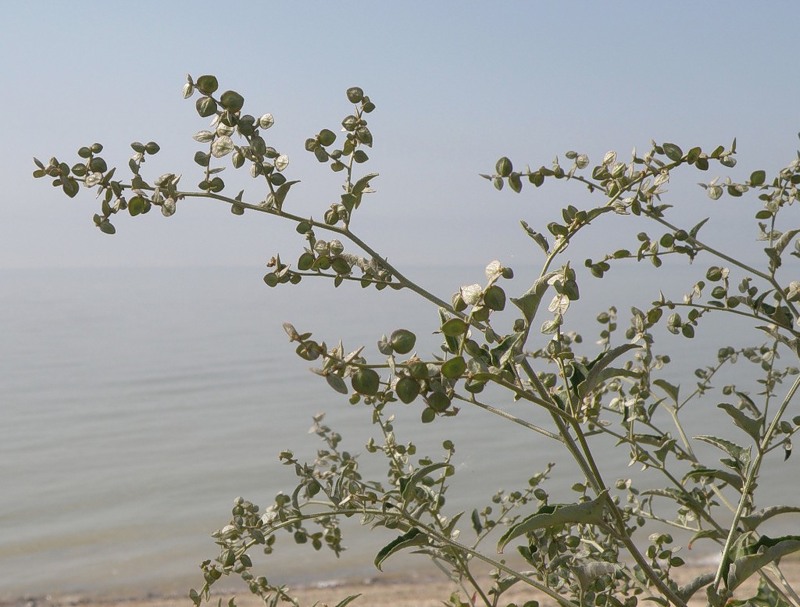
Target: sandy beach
(383, 591)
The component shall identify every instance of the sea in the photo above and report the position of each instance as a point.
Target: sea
(137, 403)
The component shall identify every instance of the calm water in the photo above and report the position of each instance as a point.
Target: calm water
(136, 404)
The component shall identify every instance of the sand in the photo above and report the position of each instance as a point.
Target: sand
(384, 591)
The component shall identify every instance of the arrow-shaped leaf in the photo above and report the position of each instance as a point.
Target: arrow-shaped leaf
(752, 521)
(530, 301)
(413, 537)
(742, 420)
(416, 477)
(599, 371)
(587, 513)
(742, 568)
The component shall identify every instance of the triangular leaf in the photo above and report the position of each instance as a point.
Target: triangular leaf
(411, 483)
(745, 422)
(742, 568)
(413, 537)
(530, 301)
(671, 390)
(587, 513)
(753, 520)
(737, 452)
(537, 237)
(598, 373)
(785, 239)
(734, 480)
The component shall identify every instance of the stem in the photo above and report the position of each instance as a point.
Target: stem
(750, 481)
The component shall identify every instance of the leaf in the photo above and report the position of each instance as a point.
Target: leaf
(231, 101)
(362, 184)
(737, 452)
(454, 368)
(538, 238)
(672, 151)
(337, 383)
(408, 487)
(734, 480)
(454, 327)
(207, 84)
(476, 521)
(693, 232)
(713, 534)
(595, 379)
(348, 600)
(203, 136)
(687, 590)
(413, 537)
(742, 420)
(671, 390)
(529, 302)
(222, 146)
(282, 191)
(785, 239)
(757, 178)
(598, 373)
(744, 567)
(366, 381)
(753, 520)
(587, 513)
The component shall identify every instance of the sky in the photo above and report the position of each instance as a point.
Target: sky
(456, 85)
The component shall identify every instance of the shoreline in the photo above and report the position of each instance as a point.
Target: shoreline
(388, 590)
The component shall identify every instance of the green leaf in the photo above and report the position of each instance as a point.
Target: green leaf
(70, 187)
(744, 567)
(106, 227)
(785, 239)
(410, 484)
(282, 191)
(530, 301)
(337, 383)
(672, 151)
(407, 389)
(737, 452)
(355, 94)
(207, 84)
(671, 390)
(734, 480)
(206, 107)
(742, 420)
(231, 101)
(348, 600)
(136, 205)
(586, 513)
(454, 368)
(454, 327)
(476, 521)
(366, 381)
(504, 167)
(495, 298)
(536, 236)
(363, 183)
(757, 178)
(755, 519)
(413, 537)
(438, 401)
(599, 371)
(402, 341)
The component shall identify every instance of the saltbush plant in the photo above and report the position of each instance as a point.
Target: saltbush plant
(509, 350)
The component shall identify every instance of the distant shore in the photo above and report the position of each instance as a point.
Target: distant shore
(383, 591)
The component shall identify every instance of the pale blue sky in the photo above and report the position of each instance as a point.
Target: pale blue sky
(456, 84)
